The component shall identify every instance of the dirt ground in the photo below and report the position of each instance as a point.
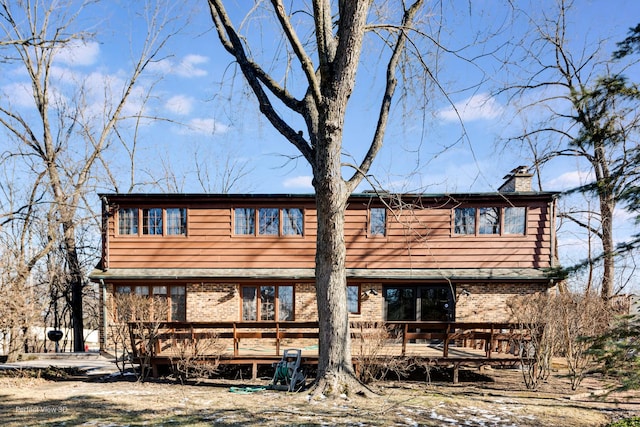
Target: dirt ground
(495, 399)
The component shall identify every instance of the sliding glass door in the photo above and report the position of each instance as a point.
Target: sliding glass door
(423, 303)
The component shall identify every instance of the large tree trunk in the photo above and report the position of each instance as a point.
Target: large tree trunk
(334, 364)
(335, 370)
(607, 206)
(75, 284)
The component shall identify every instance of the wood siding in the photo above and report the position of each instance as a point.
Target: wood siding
(415, 238)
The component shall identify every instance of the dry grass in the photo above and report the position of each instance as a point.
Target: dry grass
(501, 402)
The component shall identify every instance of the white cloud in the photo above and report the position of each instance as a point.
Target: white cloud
(302, 181)
(79, 53)
(20, 94)
(569, 180)
(187, 67)
(477, 107)
(179, 104)
(203, 127)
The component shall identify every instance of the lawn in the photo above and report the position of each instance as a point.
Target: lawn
(495, 399)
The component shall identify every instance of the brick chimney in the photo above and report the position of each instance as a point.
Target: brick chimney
(517, 181)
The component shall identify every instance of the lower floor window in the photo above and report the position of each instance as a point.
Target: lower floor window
(171, 298)
(267, 302)
(421, 303)
(353, 299)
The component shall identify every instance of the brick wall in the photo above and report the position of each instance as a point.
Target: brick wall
(480, 302)
(306, 309)
(207, 302)
(488, 303)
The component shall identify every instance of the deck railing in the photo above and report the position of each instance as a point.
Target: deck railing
(403, 336)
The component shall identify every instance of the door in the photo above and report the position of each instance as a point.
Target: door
(435, 304)
(423, 303)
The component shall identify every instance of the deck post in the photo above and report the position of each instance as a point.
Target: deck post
(489, 343)
(236, 344)
(456, 372)
(404, 338)
(445, 349)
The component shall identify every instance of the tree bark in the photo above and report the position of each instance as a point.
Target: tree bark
(75, 284)
(335, 370)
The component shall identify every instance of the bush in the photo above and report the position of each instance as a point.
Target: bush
(561, 325)
(628, 422)
(618, 351)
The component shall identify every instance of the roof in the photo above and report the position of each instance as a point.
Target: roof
(155, 197)
(471, 274)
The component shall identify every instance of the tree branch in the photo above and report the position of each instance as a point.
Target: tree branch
(385, 105)
(305, 61)
(256, 77)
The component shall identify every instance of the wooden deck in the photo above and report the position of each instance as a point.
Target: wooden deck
(262, 343)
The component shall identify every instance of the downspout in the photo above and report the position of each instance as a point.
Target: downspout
(103, 341)
(552, 229)
(553, 262)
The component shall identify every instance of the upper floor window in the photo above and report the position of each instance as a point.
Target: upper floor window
(292, 220)
(152, 221)
(269, 221)
(245, 221)
(489, 221)
(128, 221)
(377, 222)
(514, 220)
(176, 221)
(465, 221)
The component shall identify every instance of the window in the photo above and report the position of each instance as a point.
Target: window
(378, 222)
(514, 220)
(465, 221)
(267, 302)
(152, 221)
(249, 307)
(178, 304)
(245, 221)
(141, 290)
(271, 221)
(176, 221)
(489, 221)
(353, 298)
(292, 220)
(174, 296)
(128, 221)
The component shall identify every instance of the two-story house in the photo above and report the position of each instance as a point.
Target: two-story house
(250, 257)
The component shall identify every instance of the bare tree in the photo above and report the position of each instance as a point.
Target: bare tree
(25, 239)
(588, 113)
(329, 60)
(62, 137)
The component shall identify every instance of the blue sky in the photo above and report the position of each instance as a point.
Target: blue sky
(214, 122)
(209, 123)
